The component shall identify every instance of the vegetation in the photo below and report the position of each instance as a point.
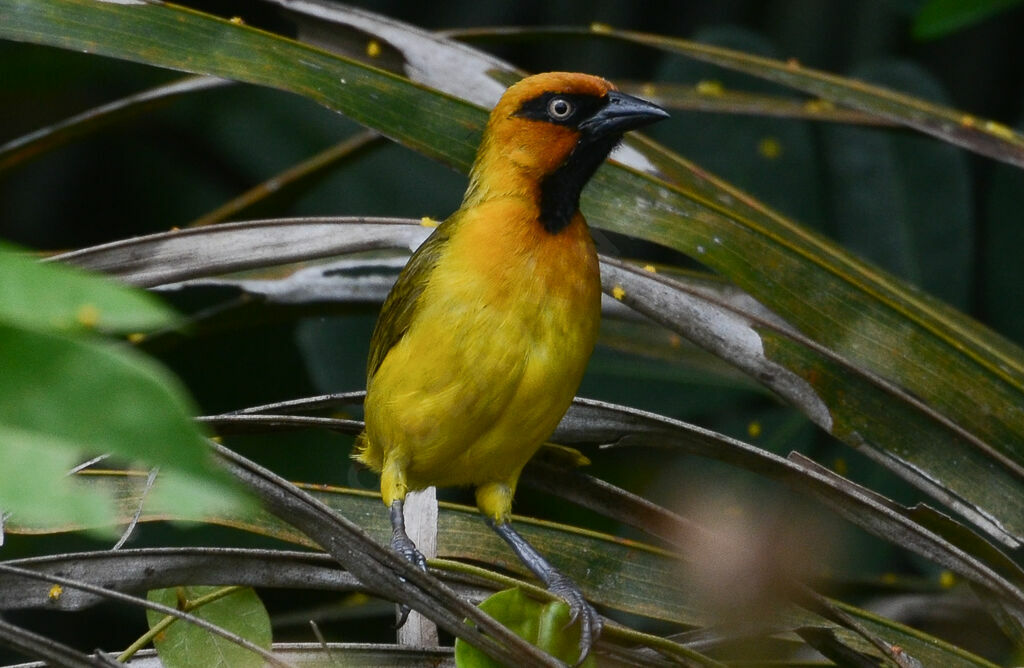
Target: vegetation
(788, 453)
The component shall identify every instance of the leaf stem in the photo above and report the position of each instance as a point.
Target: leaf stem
(164, 623)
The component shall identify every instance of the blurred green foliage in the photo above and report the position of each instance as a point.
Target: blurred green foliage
(937, 18)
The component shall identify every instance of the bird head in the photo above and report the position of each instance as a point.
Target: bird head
(546, 137)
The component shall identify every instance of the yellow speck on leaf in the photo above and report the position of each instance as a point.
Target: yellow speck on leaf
(769, 147)
(999, 130)
(674, 340)
(88, 316)
(710, 87)
(356, 599)
(136, 337)
(651, 268)
(618, 292)
(373, 48)
(840, 466)
(793, 63)
(427, 221)
(818, 106)
(598, 27)
(754, 429)
(968, 121)
(217, 439)
(55, 592)
(649, 90)
(237, 20)
(947, 579)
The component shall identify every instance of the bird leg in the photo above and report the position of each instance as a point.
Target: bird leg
(400, 541)
(557, 583)
(403, 545)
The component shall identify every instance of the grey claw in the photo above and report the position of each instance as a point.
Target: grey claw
(404, 546)
(407, 549)
(403, 615)
(579, 610)
(557, 583)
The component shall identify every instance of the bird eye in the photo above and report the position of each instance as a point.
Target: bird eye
(559, 108)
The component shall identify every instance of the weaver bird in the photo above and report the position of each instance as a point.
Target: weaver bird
(483, 340)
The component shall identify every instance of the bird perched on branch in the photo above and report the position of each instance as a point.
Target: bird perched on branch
(482, 342)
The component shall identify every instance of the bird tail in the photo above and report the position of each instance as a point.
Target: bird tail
(367, 453)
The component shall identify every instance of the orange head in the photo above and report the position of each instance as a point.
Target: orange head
(546, 137)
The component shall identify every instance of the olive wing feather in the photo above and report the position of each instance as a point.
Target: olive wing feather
(400, 306)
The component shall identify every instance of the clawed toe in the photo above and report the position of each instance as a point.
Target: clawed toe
(558, 584)
(403, 615)
(407, 549)
(403, 545)
(579, 610)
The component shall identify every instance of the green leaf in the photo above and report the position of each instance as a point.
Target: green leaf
(545, 625)
(183, 644)
(79, 397)
(58, 297)
(102, 397)
(938, 18)
(1002, 271)
(826, 642)
(35, 487)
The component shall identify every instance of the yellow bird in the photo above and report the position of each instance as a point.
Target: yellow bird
(483, 340)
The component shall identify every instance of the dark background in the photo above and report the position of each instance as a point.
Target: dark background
(947, 220)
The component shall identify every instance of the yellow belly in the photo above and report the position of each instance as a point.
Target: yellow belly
(491, 361)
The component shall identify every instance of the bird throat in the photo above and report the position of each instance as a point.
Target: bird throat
(560, 190)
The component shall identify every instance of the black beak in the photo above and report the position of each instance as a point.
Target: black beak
(621, 114)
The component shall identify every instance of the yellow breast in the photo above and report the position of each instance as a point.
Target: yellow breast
(495, 353)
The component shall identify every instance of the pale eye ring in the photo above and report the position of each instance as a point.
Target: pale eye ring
(560, 108)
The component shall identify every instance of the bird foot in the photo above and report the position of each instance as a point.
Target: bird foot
(404, 546)
(579, 609)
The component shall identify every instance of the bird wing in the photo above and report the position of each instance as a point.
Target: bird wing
(400, 306)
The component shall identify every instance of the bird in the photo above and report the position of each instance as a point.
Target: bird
(482, 342)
